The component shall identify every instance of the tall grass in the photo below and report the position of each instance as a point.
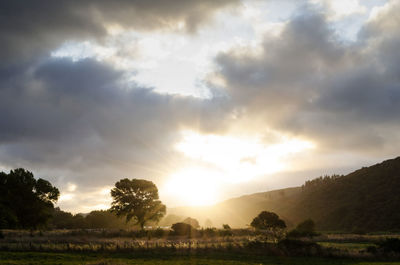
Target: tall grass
(161, 241)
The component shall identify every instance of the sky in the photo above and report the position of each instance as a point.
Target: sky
(209, 99)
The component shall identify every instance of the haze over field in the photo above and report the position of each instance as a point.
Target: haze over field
(208, 99)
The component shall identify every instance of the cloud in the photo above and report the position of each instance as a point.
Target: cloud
(31, 28)
(307, 82)
(80, 121)
(339, 9)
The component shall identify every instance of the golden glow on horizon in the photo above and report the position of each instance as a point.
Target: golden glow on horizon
(226, 159)
(194, 186)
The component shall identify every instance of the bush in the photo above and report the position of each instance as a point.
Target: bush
(304, 229)
(226, 227)
(183, 229)
(390, 245)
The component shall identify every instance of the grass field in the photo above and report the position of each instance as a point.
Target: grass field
(35, 258)
(94, 247)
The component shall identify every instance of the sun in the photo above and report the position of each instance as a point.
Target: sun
(193, 186)
(223, 160)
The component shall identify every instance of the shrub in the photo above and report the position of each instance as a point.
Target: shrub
(226, 227)
(304, 229)
(182, 229)
(390, 245)
(270, 223)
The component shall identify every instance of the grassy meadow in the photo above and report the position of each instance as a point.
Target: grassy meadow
(128, 247)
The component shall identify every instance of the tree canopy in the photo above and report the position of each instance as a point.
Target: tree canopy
(137, 199)
(183, 229)
(24, 201)
(268, 220)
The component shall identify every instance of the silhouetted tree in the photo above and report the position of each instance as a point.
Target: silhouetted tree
(61, 219)
(24, 201)
(268, 220)
(183, 229)
(271, 222)
(226, 227)
(137, 199)
(191, 221)
(104, 219)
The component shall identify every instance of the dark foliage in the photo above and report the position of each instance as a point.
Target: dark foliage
(390, 245)
(101, 219)
(304, 229)
(272, 226)
(24, 201)
(61, 219)
(137, 199)
(226, 227)
(366, 200)
(183, 229)
(268, 220)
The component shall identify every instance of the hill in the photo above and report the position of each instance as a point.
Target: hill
(367, 199)
(238, 212)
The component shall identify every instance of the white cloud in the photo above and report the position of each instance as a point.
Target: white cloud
(338, 9)
(71, 187)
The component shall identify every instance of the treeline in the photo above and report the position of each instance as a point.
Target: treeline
(28, 203)
(24, 201)
(363, 201)
(320, 182)
(103, 219)
(93, 220)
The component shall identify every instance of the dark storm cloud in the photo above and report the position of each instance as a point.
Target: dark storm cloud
(310, 83)
(80, 116)
(79, 121)
(30, 28)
